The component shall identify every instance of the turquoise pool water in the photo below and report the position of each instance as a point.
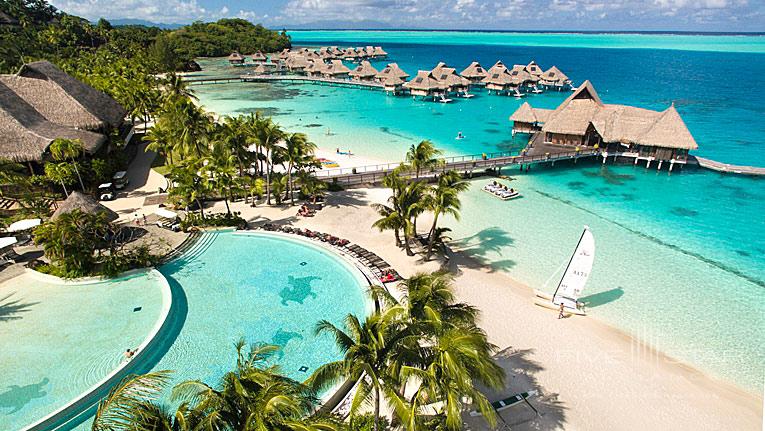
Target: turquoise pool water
(59, 340)
(264, 289)
(702, 301)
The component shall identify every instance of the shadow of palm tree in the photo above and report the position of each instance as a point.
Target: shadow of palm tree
(346, 198)
(521, 373)
(11, 309)
(482, 248)
(602, 298)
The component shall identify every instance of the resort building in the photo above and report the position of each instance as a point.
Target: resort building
(236, 59)
(584, 121)
(364, 72)
(336, 69)
(393, 84)
(349, 54)
(78, 200)
(29, 122)
(313, 67)
(379, 52)
(258, 57)
(554, 78)
(497, 78)
(474, 73)
(521, 78)
(393, 70)
(296, 63)
(425, 85)
(449, 79)
(337, 52)
(533, 69)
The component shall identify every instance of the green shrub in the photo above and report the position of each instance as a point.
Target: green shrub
(366, 422)
(213, 220)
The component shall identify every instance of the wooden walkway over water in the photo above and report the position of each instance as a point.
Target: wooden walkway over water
(373, 174)
(728, 168)
(312, 80)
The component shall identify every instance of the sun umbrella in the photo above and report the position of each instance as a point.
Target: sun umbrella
(7, 241)
(22, 225)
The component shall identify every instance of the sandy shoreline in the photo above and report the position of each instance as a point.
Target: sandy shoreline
(590, 375)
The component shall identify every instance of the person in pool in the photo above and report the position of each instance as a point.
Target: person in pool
(129, 354)
(459, 135)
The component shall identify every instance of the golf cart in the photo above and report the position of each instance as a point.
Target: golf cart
(106, 192)
(120, 180)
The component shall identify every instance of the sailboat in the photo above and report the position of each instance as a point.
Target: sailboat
(574, 278)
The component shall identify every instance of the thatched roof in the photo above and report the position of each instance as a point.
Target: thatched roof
(498, 67)
(369, 50)
(313, 66)
(25, 134)
(448, 76)
(336, 51)
(258, 56)
(498, 77)
(349, 53)
(392, 69)
(336, 67)
(520, 75)
(379, 52)
(526, 114)
(393, 81)
(65, 100)
(85, 203)
(533, 68)
(235, 56)
(424, 81)
(474, 71)
(364, 70)
(261, 69)
(296, 62)
(554, 75)
(619, 123)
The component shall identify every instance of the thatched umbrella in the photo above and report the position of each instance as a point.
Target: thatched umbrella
(84, 203)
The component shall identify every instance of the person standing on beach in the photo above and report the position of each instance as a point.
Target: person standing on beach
(560, 311)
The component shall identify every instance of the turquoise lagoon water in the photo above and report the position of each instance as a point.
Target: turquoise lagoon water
(262, 289)
(681, 256)
(59, 340)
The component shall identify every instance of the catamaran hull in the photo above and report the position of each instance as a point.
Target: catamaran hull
(545, 300)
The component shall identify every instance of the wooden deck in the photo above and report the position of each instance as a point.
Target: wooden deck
(312, 80)
(373, 174)
(728, 168)
(212, 80)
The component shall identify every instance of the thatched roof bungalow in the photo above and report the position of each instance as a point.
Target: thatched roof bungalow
(393, 84)
(296, 63)
(42, 103)
(337, 52)
(313, 67)
(449, 78)
(258, 57)
(379, 52)
(85, 203)
(553, 77)
(533, 69)
(392, 69)
(424, 84)
(349, 54)
(529, 120)
(364, 72)
(236, 59)
(583, 120)
(521, 77)
(498, 79)
(335, 69)
(474, 73)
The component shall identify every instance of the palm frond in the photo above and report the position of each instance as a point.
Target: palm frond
(116, 411)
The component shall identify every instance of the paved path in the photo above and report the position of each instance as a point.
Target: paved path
(144, 182)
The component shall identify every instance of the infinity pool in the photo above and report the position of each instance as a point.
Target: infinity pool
(260, 287)
(57, 340)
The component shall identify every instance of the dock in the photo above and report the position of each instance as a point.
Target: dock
(312, 80)
(373, 174)
(212, 80)
(728, 168)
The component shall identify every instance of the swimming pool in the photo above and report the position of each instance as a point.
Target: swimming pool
(60, 339)
(265, 288)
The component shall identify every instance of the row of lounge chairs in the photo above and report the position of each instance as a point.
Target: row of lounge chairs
(501, 191)
(379, 267)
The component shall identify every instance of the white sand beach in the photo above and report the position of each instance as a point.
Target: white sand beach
(590, 376)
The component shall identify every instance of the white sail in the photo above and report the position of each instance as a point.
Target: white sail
(577, 272)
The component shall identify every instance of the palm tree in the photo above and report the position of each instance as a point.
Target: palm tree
(423, 156)
(159, 140)
(444, 199)
(411, 203)
(190, 126)
(311, 185)
(254, 396)
(392, 218)
(367, 349)
(187, 182)
(58, 172)
(67, 149)
(297, 151)
(129, 405)
(176, 87)
(221, 173)
(268, 134)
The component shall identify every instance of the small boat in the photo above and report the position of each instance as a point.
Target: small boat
(508, 402)
(460, 136)
(574, 279)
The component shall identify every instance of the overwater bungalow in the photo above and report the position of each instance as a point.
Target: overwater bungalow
(393, 84)
(584, 121)
(361, 53)
(296, 63)
(449, 79)
(349, 54)
(555, 79)
(313, 67)
(337, 52)
(533, 69)
(336, 69)
(425, 85)
(369, 51)
(474, 73)
(258, 57)
(283, 54)
(528, 120)
(498, 79)
(522, 78)
(29, 122)
(391, 69)
(379, 52)
(364, 72)
(262, 69)
(236, 59)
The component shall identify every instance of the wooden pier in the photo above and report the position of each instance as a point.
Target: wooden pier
(373, 174)
(728, 168)
(312, 80)
(212, 80)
